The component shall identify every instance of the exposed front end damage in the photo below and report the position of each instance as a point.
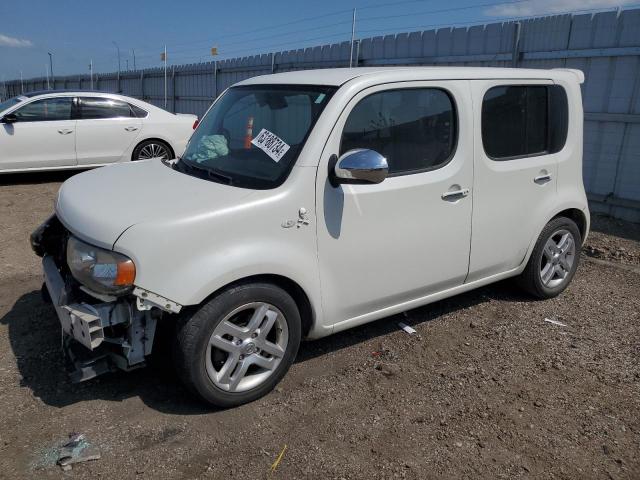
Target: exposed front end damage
(100, 333)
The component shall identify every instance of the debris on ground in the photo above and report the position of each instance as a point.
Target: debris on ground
(277, 462)
(407, 328)
(76, 450)
(555, 322)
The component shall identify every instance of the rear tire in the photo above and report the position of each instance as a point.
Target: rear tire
(237, 346)
(554, 259)
(152, 149)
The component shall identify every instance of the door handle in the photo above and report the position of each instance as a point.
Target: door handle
(455, 194)
(65, 131)
(131, 129)
(542, 179)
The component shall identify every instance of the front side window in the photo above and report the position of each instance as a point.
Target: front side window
(46, 110)
(92, 108)
(520, 120)
(10, 103)
(414, 129)
(252, 135)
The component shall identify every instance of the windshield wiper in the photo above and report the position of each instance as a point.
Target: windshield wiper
(204, 172)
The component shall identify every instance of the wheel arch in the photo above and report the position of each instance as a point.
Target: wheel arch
(571, 211)
(157, 139)
(288, 285)
(578, 217)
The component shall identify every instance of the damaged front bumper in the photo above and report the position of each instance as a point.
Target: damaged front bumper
(116, 334)
(100, 333)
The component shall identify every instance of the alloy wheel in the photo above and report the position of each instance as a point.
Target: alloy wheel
(558, 257)
(153, 150)
(246, 347)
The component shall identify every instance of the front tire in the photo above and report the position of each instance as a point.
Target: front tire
(554, 259)
(237, 347)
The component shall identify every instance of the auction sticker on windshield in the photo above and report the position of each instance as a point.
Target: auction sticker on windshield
(271, 144)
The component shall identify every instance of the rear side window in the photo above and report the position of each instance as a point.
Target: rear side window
(92, 108)
(138, 112)
(46, 110)
(520, 121)
(414, 129)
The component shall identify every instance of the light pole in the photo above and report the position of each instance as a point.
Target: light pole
(53, 79)
(134, 59)
(91, 72)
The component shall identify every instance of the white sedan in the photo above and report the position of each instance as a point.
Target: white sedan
(58, 130)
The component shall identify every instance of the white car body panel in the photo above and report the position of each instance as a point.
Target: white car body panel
(39, 146)
(368, 251)
(393, 224)
(105, 140)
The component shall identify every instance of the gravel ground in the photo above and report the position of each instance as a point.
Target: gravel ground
(486, 389)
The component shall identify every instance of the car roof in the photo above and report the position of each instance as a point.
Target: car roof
(37, 93)
(340, 76)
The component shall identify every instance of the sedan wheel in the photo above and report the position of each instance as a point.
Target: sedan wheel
(246, 347)
(153, 150)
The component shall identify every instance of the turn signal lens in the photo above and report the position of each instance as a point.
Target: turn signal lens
(126, 274)
(196, 123)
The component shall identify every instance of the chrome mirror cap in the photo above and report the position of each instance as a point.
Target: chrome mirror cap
(361, 165)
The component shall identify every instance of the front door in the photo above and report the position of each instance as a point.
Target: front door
(43, 136)
(106, 129)
(385, 244)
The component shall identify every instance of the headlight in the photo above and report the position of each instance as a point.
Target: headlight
(101, 270)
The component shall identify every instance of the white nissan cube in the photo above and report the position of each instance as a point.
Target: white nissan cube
(310, 202)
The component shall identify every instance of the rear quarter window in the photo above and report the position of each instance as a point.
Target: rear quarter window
(524, 120)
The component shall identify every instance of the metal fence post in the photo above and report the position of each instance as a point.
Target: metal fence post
(215, 79)
(515, 54)
(141, 84)
(173, 89)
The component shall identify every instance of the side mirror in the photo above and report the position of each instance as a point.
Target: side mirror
(360, 166)
(9, 118)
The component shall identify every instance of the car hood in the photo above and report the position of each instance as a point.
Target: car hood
(99, 205)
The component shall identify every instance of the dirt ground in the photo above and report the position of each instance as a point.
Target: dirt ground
(487, 389)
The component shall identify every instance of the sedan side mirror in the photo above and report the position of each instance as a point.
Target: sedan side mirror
(9, 118)
(360, 166)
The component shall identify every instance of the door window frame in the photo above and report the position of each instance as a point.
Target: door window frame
(395, 86)
(72, 113)
(519, 83)
(78, 109)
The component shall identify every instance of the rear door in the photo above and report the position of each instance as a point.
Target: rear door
(106, 129)
(516, 169)
(43, 136)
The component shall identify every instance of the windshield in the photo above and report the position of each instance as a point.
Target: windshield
(252, 135)
(10, 103)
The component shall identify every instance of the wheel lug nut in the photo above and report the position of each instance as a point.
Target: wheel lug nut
(241, 357)
(254, 335)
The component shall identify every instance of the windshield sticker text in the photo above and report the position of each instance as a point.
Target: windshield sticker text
(271, 144)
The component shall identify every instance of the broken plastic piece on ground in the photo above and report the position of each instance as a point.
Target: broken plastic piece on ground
(407, 328)
(555, 322)
(76, 450)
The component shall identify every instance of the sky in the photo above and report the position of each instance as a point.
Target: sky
(79, 32)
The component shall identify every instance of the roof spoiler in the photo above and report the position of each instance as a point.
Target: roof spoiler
(578, 73)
